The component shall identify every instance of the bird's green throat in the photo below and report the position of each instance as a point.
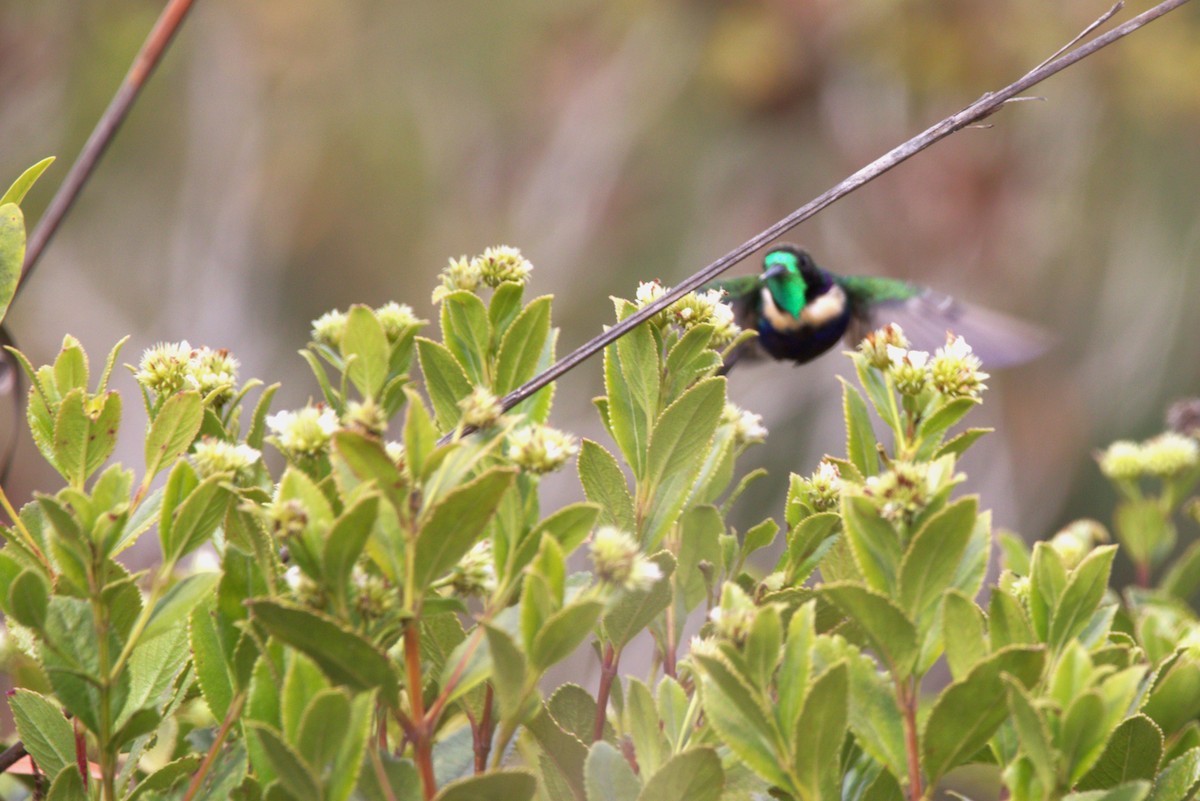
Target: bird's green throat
(787, 285)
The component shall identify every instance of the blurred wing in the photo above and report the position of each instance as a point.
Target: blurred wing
(742, 294)
(997, 339)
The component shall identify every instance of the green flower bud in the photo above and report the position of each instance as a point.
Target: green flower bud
(1123, 461)
(212, 456)
(955, 371)
(1170, 454)
(475, 573)
(481, 408)
(902, 492)
(540, 449)
(366, 417)
(329, 328)
(875, 346)
(734, 616)
(823, 489)
(619, 562)
(305, 432)
(460, 273)
(396, 318)
(503, 263)
(909, 369)
(164, 368)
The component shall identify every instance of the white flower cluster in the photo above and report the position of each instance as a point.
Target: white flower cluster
(305, 432)
(170, 367)
(747, 426)
(496, 266)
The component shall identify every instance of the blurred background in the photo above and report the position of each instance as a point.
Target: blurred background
(289, 158)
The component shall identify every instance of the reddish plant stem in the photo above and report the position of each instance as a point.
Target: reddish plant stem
(608, 673)
(907, 695)
(669, 655)
(435, 711)
(1143, 574)
(483, 733)
(422, 742)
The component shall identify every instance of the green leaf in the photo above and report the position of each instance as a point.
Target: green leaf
(644, 728)
(1179, 779)
(631, 380)
(504, 307)
(176, 605)
(1032, 732)
(29, 599)
(420, 434)
(1081, 734)
(160, 782)
(368, 461)
(1007, 623)
(209, 660)
(605, 485)
(293, 772)
(873, 540)
(84, 439)
(759, 536)
(345, 543)
(401, 778)
(1133, 791)
(324, 727)
(71, 657)
(608, 775)
(958, 444)
(860, 437)
(562, 633)
(365, 349)
(467, 333)
(1132, 752)
(46, 733)
(445, 381)
(694, 775)
(495, 785)
(195, 520)
(890, 633)
(818, 736)
(173, 430)
(677, 445)
(701, 528)
(634, 610)
(345, 656)
(795, 667)
(509, 670)
(962, 633)
(16, 192)
(12, 251)
(968, 712)
(934, 427)
(933, 556)
(1082, 595)
(875, 717)
(739, 717)
(1047, 580)
(67, 786)
(521, 346)
(457, 522)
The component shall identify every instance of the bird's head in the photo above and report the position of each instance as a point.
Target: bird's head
(793, 279)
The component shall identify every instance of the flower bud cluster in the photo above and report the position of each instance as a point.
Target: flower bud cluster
(496, 266)
(734, 616)
(396, 319)
(902, 492)
(619, 562)
(1077, 540)
(305, 432)
(875, 346)
(541, 449)
(480, 409)
(823, 489)
(695, 308)
(212, 456)
(1165, 456)
(171, 367)
(475, 574)
(747, 426)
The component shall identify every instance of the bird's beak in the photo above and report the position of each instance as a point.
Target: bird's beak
(773, 272)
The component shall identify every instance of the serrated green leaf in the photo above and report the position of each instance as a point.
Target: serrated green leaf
(1179, 779)
(324, 727)
(873, 540)
(958, 444)
(818, 735)
(605, 485)
(739, 717)
(641, 723)
(521, 346)
(608, 776)
(29, 599)
(933, 556)
(563, 632)
(172, 430)
(509, 670)
(1047, 580)
(67, 786)
(962, 633)
(860, 437)
(1032, 732)
(934, 427)
(635, 609)
(457, 522)
(891, 635)
(631, 380)
(445, 381)
(694, 775)
(12, 251)
(467, 333)
(1081, 596)
(967, 713)
(197, 517)
(495, 785)
(345, 543)
(177, 603)
(1132, 752)
(295, 775)
(209, 659)
(46, 733)
(364, 347)
(345, 656)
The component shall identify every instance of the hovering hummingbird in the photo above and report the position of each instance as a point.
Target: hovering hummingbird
(800, 311)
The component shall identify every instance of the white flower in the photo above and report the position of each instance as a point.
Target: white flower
(329, 328)
(304, 432)
(212, 456)
(649, 291)
(747, 426)
(163, 369)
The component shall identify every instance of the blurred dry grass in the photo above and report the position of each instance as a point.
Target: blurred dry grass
(294, 157)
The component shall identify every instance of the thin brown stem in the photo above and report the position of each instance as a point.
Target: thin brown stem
(608, 673)
(231, 715)
(147, 58)
(982, 108)
(421, 739)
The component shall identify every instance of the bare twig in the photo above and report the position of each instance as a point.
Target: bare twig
(118, 108)
(982, 108)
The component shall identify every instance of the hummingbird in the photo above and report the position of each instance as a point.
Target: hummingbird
(801, 310)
